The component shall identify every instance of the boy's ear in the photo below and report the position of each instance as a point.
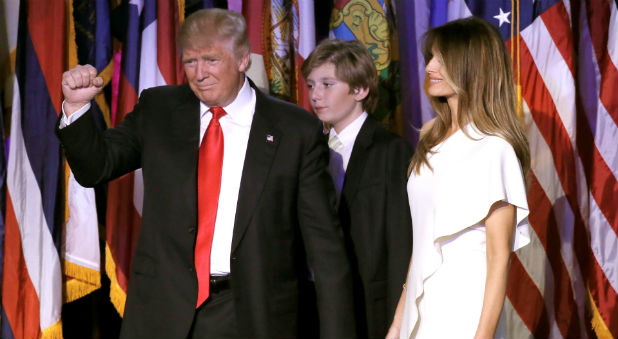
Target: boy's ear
(360, 93)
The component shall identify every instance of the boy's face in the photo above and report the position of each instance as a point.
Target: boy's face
(331, 98)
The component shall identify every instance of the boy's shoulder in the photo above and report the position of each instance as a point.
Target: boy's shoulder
(382, 137)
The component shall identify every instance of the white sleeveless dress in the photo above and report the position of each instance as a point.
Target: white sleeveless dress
(446, 282)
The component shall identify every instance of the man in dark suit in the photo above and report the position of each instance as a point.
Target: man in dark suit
(368, 165)
(237, 198)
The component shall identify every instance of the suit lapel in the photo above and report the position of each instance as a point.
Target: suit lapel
(185, 122)
(184, 126)
(261, 148)
(357, 162)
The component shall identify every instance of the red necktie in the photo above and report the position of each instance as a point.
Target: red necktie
(209, 167)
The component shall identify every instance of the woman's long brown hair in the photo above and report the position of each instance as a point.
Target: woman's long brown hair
(479, 70)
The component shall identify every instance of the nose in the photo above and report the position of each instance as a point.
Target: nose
(202, 71)
(431, 66)
(314, 93)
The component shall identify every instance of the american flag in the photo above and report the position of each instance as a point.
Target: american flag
(565, 57)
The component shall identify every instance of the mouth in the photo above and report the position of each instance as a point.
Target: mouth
(204, 87)
(319, 108)
(434, 81)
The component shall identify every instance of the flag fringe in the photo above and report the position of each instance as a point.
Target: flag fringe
(597, 322)
(116, 294)
(53, 332)
(84, 281)
(181, 11)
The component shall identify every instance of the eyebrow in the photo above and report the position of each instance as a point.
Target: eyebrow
(323, 79)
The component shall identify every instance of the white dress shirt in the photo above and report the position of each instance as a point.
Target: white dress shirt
(339, 159)
(236, 125)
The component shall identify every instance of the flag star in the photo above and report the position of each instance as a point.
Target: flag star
(503, 17)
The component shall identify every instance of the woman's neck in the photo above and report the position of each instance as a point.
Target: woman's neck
(453, 105)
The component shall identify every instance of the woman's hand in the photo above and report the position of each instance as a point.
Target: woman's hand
(393, 332)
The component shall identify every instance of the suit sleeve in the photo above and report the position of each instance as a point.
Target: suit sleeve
(398, 222)
(323, 241)
(98, 156)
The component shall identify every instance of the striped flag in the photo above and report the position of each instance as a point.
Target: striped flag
(32, 279)
(2, 203)
(255, 13)
(565, 59)
(89, 42)
(149, 58)
(9, 13)
(304, 43)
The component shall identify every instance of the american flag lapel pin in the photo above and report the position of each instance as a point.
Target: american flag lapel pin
(270, 138)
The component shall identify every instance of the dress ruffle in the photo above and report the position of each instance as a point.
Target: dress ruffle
(466, 183)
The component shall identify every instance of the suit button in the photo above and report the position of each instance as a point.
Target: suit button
(191, 230)
(233, 258)
(190, 269)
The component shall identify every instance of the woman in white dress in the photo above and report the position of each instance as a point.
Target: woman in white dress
(466, 188)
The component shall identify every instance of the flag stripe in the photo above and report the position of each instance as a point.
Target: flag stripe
(612, 41)
(149, 72)
(123, 240)
(604, 189)
(253, 11)
(554, 133)
(549, 125)
(46, 39)
(605, 297)
(545, 173)
(39, 251)
(602, 127)
(131, 52)
(543, 220)
(539, 53)
(304, 44)
(167, 56)
(557, 22)
(531, 308)
(38, 119)
(19, 297)
(599, 14)
(562, 149)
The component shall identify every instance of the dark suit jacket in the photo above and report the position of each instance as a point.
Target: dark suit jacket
(375, 216)
(285, 209)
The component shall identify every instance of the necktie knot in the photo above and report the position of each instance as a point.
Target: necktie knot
(217, 112)
(335, 144)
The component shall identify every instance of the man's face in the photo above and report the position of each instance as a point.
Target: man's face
(214, 73)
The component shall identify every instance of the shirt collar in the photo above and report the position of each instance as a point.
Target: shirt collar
(347, 136)
(240, 109)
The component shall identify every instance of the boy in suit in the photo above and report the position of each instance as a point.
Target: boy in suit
(368, 165)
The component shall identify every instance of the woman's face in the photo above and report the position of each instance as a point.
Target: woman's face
(436, 74)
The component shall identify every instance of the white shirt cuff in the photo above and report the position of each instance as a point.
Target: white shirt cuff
(66, 121)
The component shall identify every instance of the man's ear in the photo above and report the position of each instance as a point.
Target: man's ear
(243, 62)
(360, 93)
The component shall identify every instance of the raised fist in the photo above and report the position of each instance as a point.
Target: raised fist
(79, 86)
